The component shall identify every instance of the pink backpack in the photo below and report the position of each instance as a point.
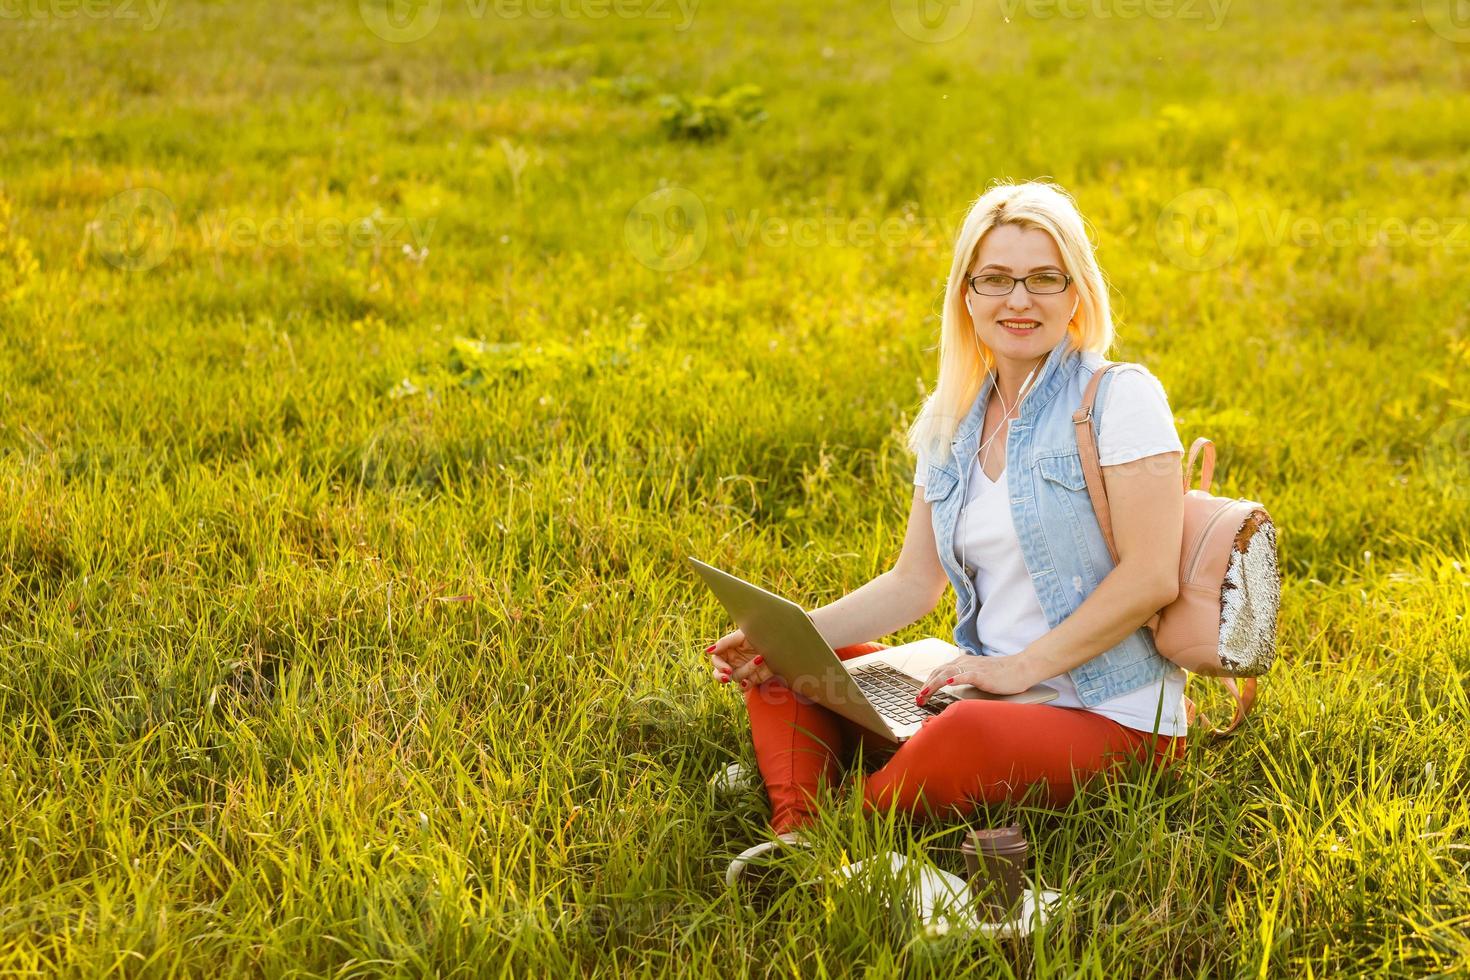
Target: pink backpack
(1223, 623)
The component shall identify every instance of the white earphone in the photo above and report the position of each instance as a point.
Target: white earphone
(995, 389)
(1025, 390)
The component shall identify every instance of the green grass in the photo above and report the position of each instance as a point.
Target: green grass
(250, 728)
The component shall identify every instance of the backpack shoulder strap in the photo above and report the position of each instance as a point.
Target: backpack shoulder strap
(1087, 450)
(1092, 468)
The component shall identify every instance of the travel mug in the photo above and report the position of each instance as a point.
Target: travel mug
(996, 861)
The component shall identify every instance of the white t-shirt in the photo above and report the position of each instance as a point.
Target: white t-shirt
(1134, 421)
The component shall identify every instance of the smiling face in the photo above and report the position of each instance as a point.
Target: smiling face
(1001, 321)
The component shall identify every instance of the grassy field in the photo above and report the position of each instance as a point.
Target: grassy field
(366, 380)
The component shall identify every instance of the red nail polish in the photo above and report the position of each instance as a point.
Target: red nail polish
(950, 681)
(759, 660)
(709, 648)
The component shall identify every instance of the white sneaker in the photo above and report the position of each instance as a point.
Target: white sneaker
(750, 866)
(735, 779)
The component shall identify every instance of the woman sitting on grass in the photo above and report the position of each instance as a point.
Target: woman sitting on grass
(1001, 513)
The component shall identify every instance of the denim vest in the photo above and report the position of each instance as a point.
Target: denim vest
(1061, 542)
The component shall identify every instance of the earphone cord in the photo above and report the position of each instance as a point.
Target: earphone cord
(1025, 390)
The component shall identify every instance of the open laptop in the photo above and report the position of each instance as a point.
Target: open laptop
(875, 690)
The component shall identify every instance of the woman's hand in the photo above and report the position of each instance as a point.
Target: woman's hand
(996, 675)
(734, 658)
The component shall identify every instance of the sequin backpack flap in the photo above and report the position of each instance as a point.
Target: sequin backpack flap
(1223, 622)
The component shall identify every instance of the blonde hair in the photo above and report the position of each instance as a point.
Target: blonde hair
(964, 360)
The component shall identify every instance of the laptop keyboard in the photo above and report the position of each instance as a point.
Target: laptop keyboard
(892, 693)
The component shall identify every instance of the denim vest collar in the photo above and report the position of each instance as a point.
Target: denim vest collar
(1061, 362)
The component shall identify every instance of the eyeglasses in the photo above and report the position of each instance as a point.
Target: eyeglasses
(998, 284)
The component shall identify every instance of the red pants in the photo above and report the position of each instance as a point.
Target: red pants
(974, 750)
